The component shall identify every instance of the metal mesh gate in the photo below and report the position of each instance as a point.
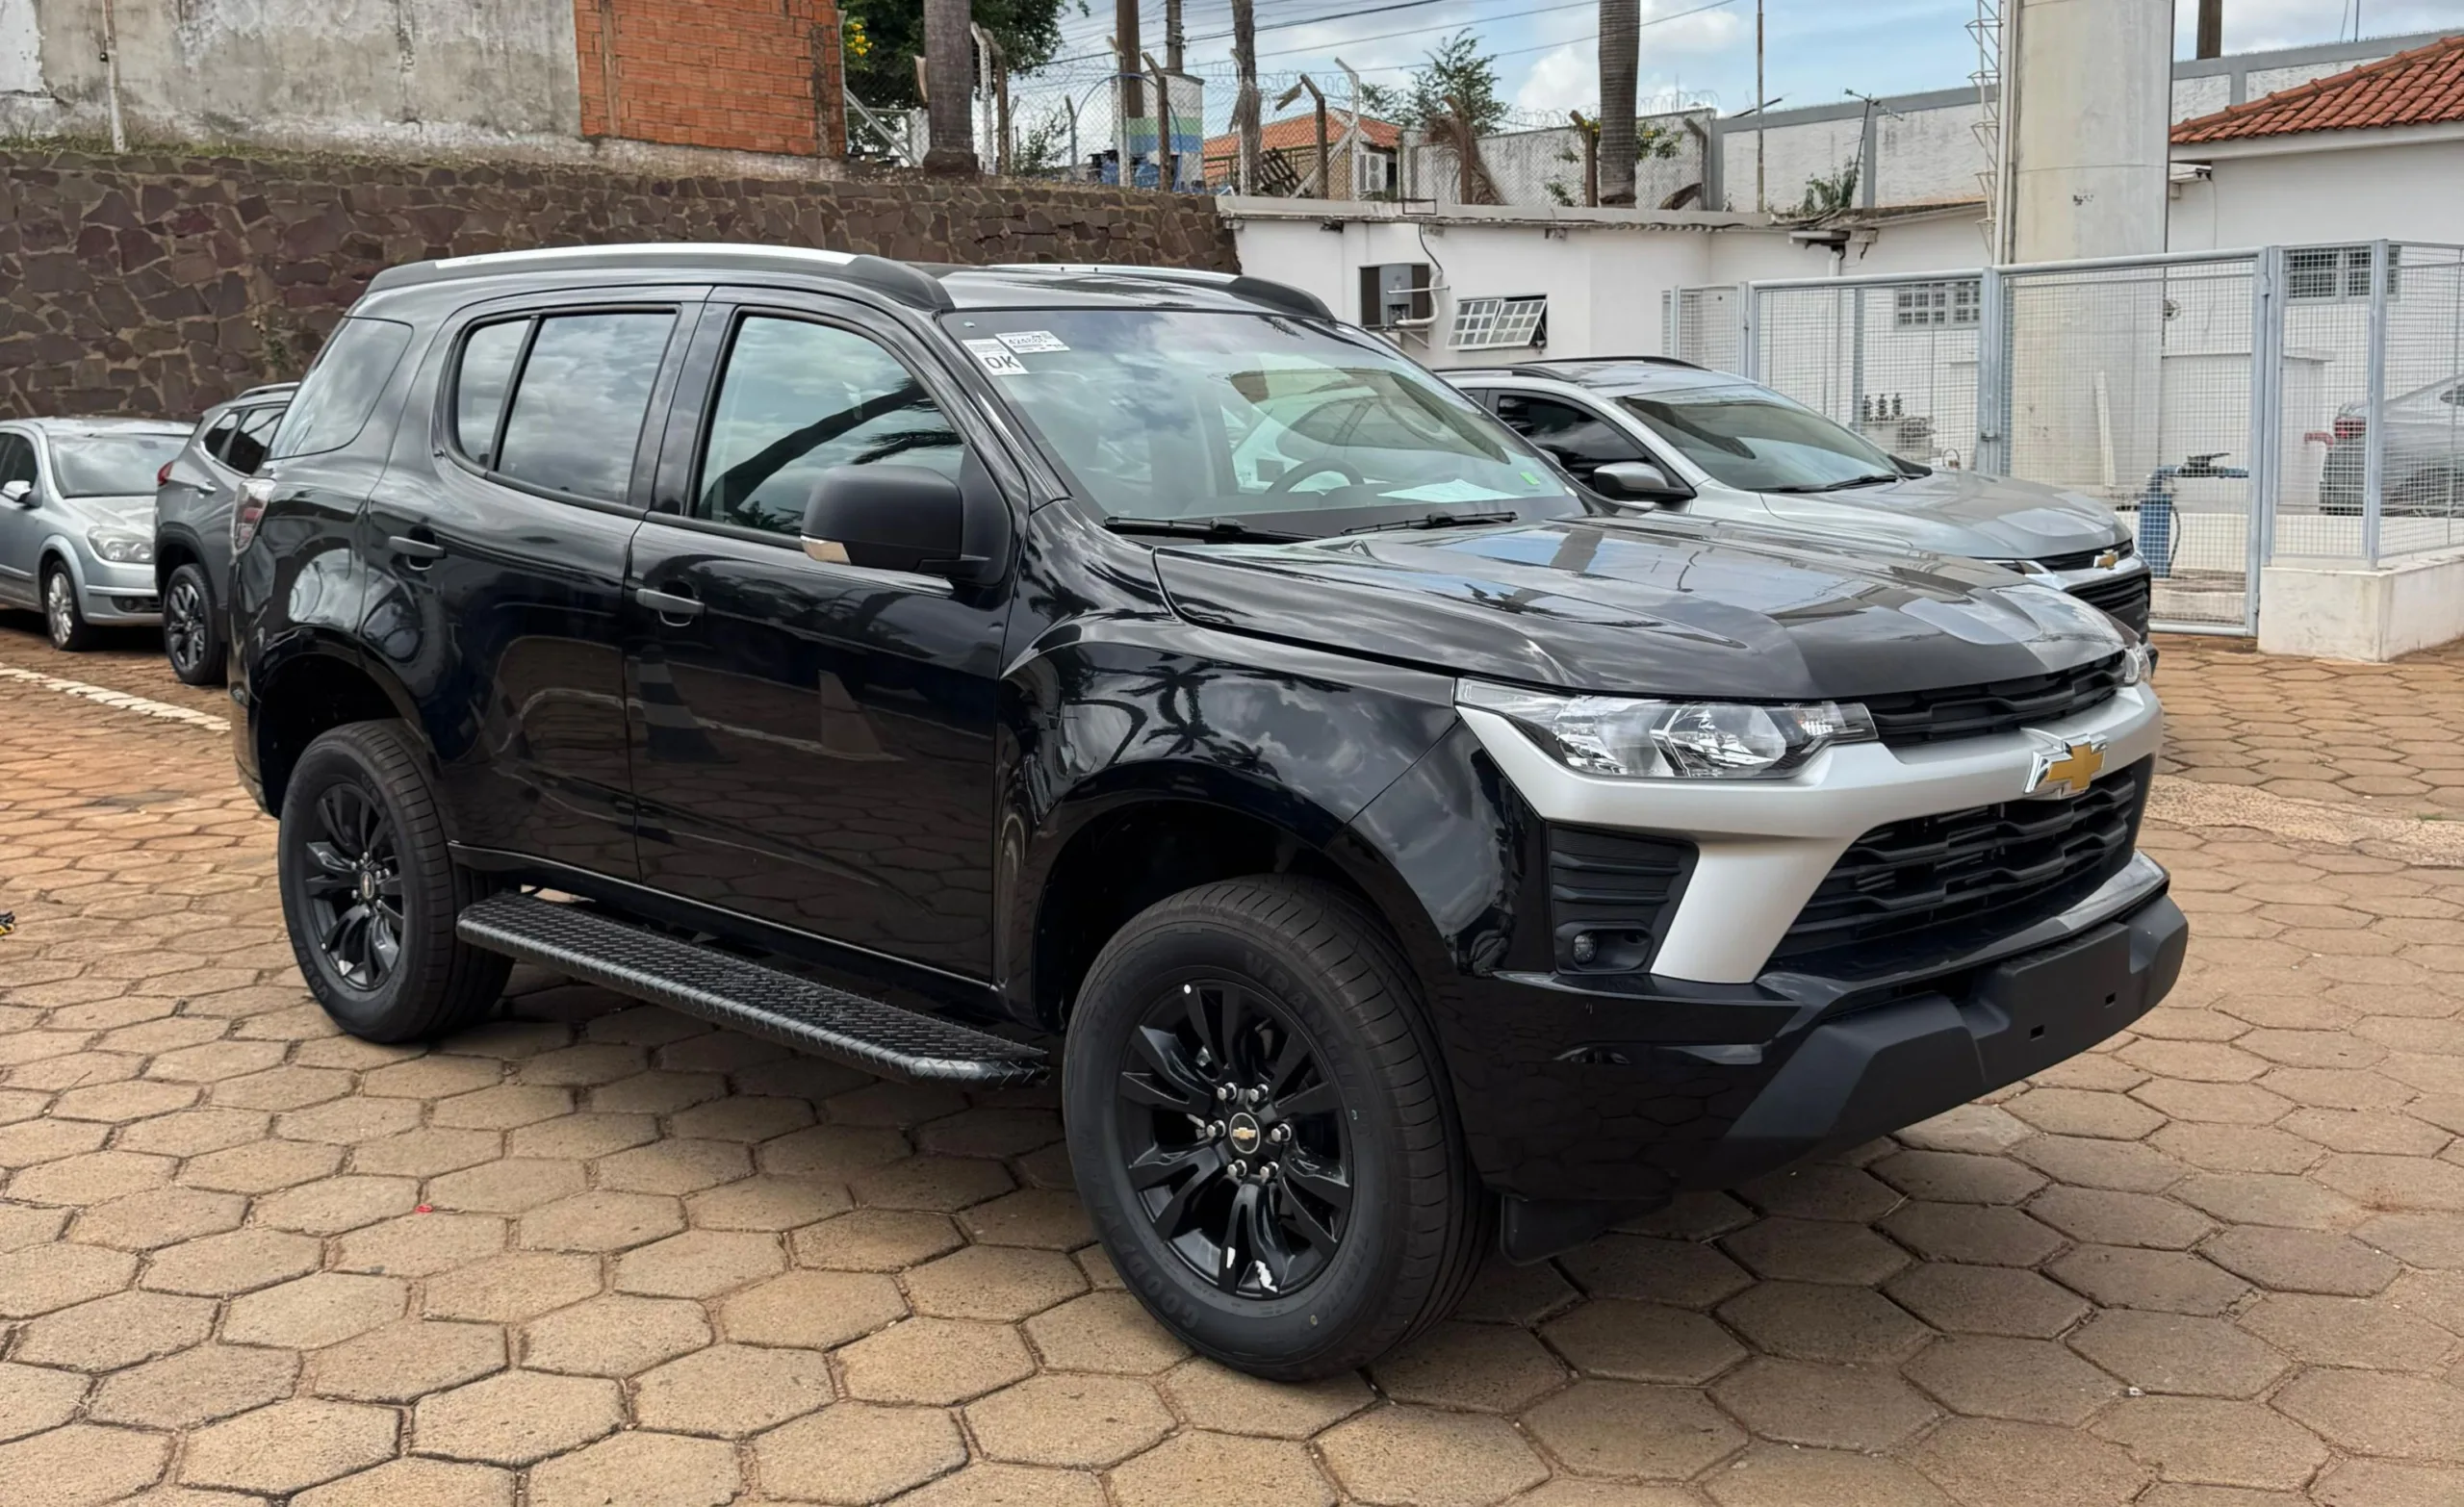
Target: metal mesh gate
(1702, 326)
(1894, 359)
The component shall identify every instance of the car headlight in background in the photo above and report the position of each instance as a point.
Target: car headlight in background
(120, 547)
(1673, 740)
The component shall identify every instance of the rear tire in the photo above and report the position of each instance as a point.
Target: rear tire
(1292, 988)
(192, 637)
(63, 618)
(371, 892)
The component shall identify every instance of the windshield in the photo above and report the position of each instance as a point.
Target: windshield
(1252, 418)
(1753, 439)
(112, 465)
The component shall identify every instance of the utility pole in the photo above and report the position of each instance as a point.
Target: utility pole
(1620, 50)
(1762, 197)
(2211, 28)
(1133, 98)
(949, 90)
(1173, 39)
(1244, 104)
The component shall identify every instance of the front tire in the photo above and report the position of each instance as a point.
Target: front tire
(191, 638)
(371, 892)
(63, 618)
(1261, 1131)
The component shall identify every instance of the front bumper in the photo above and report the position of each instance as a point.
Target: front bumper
(121, 596)
(1630, 1095)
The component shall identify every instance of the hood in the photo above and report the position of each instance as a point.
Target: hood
(135, 512)
(1644, 606)
(1961, 512)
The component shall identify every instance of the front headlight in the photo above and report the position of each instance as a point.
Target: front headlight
(120, 547)
(1673, 740)
(2138, 664)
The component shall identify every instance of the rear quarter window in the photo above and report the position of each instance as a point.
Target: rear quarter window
(341, 390)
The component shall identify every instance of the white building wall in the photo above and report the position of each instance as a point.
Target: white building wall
(1928, 155)
(1793, 157)
(21, 48)
(2369, 190)
(2203, 96)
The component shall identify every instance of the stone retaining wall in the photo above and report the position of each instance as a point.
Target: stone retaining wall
(158, 285)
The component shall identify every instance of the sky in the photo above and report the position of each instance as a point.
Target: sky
(1694, 51)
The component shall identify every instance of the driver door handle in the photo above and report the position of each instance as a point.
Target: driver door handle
(671, 608)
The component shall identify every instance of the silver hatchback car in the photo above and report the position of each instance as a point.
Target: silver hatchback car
(1667, 433)
(77, 520)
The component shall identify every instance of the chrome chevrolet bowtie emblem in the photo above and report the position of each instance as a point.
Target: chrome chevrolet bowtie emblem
(1243, 1134)
(2064, 766)
(2109, 559)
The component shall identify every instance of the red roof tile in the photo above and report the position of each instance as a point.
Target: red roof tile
(1297, 132)
(2423, 86)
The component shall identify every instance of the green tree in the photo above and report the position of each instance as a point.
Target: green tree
(1458, 76)
(884, 77)
(1830, 193)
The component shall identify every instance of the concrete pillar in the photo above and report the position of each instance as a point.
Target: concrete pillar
(2090, 107)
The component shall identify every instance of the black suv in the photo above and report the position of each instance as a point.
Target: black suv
(195, 497)
(936, 668)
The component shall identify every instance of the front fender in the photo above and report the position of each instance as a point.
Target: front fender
(1116, 712)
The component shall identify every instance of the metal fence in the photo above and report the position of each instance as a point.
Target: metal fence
(2235, 406)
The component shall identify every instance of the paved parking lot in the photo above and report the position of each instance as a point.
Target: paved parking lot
(597, 1253)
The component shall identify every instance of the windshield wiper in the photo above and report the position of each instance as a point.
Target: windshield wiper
(1220, 529)
(1438, 520)
(1874, 479)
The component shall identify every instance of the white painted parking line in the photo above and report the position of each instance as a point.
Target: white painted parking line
(119, 700)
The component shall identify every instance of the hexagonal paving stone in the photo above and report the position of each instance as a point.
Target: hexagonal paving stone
(601, 1221)
(1197, 1466)
(992, 1485)
(816, 1310)
(834, 1152)
(750, 1118)
(942, 1184)
(2178, 1353)
(158, 1217)
(935, 1361)
(1816, 1250)
(1976, 1234)
(1233, 1402)
(2215, 1442)
(1994, 1300)
(512, 1287)
(338, 1204)
(403, 1362)
(1502, 1294)
(1051, 1218)
(1104, 1332)
(854, 1453)
(34, 1398)
(113, 1332)
(876, 1239)
(289, 1446)
(2029, 1464)
(2301, 1260)
(1785, 1475)
(2336, 1331)
(322, 1309)
(1837, 1407)
(420, 1244)
(193, 1386)
(766, 1202)
(614, 1336)
(240, 1261)
(1490, 1368)
(80, 1465)
(640, 1470)
(993, 1282)
(699, 1264)
(1959, 1177)
(1629, 1429)
(2173, 1282)
(426, 1151)
(1680, 1273)
(2100, 1217)
(732, 1391)
(41, 1278)
(403, 1483)
(516, 1417)
(1819, 1190)
(1407, 1454)
(91, 1178)
(262, 1166)
(1808, 1322)
(1083, 1422)
(2033, 1381)
(1643, 1341)
(347, 1122)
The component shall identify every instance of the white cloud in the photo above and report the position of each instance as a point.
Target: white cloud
(1565, 79)
(1699, 31)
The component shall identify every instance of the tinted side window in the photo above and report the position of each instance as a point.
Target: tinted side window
(218, 438)
(245, 448)
(481, 382)
(798, 399)
(1582, 441)
(341, 390)
(575, 415)
(17, 459)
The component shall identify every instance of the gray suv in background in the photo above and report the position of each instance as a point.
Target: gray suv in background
(192, 526)
(77, 520)
(1657, 430)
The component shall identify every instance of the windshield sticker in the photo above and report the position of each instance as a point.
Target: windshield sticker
(1529, 478)
(1456, 490)
(1033, 343)
(996, 357)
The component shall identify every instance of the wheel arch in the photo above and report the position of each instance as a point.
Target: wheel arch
(311, 689)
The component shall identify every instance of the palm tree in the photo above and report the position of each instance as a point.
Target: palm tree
(1620, 41)
(949, 83)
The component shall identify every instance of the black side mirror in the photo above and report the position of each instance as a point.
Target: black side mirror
(908, 518)
(1638, 481)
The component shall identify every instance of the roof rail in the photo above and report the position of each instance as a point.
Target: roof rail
(896, 279)
(269, 387)
(1239, 285)
(1647, 361)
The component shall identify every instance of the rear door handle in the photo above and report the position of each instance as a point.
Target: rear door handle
(419, 551)
(670, 607)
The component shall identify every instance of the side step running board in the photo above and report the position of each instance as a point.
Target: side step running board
(763, 1001)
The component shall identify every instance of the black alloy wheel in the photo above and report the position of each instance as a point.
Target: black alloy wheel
(1235, 1138)
(189, 640)
(353, 879)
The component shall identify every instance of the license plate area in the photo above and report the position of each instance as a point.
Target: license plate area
(2033, 1011)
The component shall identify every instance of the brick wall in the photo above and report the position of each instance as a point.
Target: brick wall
(156, 284)
(742, 75)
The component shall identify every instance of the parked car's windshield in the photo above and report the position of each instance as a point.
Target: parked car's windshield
(112, 465)
(1186, 415)
(1753, 439)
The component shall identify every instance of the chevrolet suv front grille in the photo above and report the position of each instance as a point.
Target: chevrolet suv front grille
(1971, 711)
